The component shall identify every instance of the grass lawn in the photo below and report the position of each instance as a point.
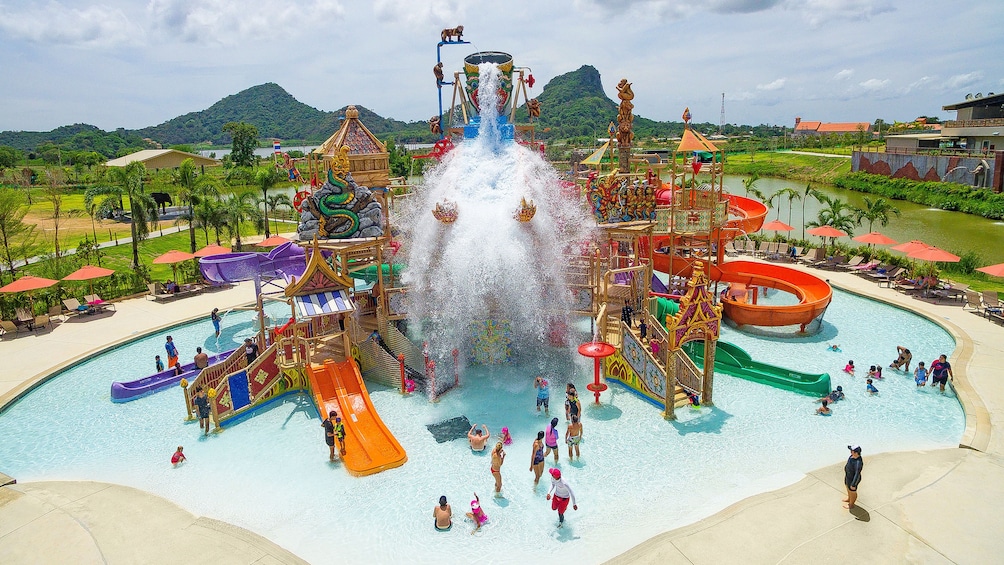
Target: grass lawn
(788, 166)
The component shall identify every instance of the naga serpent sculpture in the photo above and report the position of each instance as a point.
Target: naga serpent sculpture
(336, 220)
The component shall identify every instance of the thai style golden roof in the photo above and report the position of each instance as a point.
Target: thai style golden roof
(354, 135)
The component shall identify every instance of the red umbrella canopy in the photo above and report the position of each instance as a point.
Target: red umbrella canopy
(777, 225)
(826, 231)
(172, 257)
(910, 246)
(876, 238)
(932, 253)
(212, 250)
(88, 272)
(995, 270)
(27, 283)
(273, 241)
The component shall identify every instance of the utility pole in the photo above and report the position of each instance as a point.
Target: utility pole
(721, 121)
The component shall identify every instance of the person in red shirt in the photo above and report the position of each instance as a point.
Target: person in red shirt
(178, 457)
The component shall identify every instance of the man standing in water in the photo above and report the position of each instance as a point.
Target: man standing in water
(852, 475)
(498, 458)
(329, 433)
(562, 495)
(201, 359)
(201, 402)
(478, 437)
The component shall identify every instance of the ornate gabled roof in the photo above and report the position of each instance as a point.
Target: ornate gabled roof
(317, 277)
(699, 317)
(354, 135)
(694, 141)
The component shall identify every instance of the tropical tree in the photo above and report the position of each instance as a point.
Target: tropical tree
(195, 189)
(836, 213)
(209, 214)
(53, 192)
(275, 202)
(809, 191)
(245, 140)
(266, 178)
(750, 184)
(142, 207)
(241, 207)
(877, 210)
(17, 238)
(787, 193)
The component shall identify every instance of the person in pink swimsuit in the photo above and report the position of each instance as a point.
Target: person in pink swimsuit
(477, 515)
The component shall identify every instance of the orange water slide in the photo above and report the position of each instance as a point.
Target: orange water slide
(369, 445)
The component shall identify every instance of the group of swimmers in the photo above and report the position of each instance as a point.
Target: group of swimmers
(940, 372)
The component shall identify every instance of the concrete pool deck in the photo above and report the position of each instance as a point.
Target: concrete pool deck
(937, 506)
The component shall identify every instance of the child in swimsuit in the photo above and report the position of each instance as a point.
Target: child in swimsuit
(871, 371)
(573, 436)
(849, 368)
(178, 457)
(870, 387)
(506, 438)
(477, 515)
(551, 439)
(920, 374)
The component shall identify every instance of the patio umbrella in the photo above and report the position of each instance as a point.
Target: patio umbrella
(826, 231)
(777, 225)
(875, 238)
(88, 273)
(273, 241)
(910, 246)
(934, 254)
(212, 250)
(172, 258)
(27, 284)
(993, 270)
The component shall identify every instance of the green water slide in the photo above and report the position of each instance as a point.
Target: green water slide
(369, 272)
(665, 307)
(733, 360)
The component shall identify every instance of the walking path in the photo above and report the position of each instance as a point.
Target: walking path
(814, 154)
(939, 506)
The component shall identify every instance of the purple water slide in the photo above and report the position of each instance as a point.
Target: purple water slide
(288, 259)
(124, 392)
(658, 286)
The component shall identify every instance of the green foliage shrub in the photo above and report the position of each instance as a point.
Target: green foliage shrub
(945, 195)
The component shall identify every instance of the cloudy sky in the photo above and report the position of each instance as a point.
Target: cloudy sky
(135, 63)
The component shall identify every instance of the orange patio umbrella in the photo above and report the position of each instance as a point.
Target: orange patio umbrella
(273, 241)
(172, 258)
(826, 231)
(212, 250)
(910, 246)
(28, 283)
(777, 225)
(89, 273)
(993, 270)
(875, 238)
(934, 254)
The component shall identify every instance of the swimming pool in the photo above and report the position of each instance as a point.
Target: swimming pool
(639, 475)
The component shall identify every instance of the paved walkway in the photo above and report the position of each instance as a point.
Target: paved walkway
(814, 154)
(940, 506)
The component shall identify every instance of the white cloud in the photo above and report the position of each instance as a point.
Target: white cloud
(229, 22)
(845, 73)
(773, 85)
(818, 12)
(56, 23)
(444, 13)
(740, 96)
(874, 84)
(917, 84)
(963, 81)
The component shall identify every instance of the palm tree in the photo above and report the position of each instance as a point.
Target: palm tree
(266, 177)
(239, 208)
(836, 213)
(273, 203)
(876, 211)
(809, 191)
(790, 194)
(142, 207)
(750, 184)
(195, 190)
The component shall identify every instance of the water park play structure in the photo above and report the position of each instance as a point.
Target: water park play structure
(731, 359)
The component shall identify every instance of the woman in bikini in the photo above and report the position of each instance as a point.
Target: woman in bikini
(537, 458)
(498, 458)
(573, 436)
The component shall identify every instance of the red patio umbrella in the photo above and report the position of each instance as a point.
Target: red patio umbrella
(993, 270)
(212, 250)
(172, 257)
(273, 241)
(777, 225)
(826, 231)
(934, 254)
(875, 238)
(88, 273)
(28, 283)
(910, 246)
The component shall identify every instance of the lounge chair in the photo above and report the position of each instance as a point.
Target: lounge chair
(780, 251)
(887, 277)
(11, 327)
(815, 255)
(974, 301)
(991, 303)
(24, 316)
(854, 262)
(865, 267)
(55, 312)
(40, 320)
(74, 305)
(95, 301)
(833, 262)
(730, 249)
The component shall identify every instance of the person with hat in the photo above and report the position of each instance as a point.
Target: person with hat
(562, 494)
(852, 475)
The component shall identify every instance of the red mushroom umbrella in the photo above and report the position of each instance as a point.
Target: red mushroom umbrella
(596, 350)
(993, 270)
(212, 250)
(875, 238)
(273, 241)
(777, 225)
(934, 254)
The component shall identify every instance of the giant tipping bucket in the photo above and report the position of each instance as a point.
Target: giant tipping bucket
(471, 71)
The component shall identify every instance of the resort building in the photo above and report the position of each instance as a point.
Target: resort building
(978, 123)
(822, 128)
(157, 159)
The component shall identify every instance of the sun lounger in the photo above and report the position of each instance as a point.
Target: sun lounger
(864, 267)
(55, 312)
(95, 301)
(40, 321)
(973, 301)
(991, 303)
(854, 262)
(833, 262)
(74, 306)
(730, 249)
(815, 255)
(888, 276)
(11, 327)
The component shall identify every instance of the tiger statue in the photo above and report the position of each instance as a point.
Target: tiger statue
(448, 33)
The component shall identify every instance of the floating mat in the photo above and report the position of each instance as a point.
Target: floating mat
(449, 430)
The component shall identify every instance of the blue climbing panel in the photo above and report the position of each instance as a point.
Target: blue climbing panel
(239, 393)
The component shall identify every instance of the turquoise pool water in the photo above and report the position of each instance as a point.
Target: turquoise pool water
(639, 475)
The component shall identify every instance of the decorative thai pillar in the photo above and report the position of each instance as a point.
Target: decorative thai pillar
(708, 382)
(625, 122)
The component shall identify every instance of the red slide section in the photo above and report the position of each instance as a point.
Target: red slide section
(369, 445)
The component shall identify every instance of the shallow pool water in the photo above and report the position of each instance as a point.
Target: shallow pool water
(639, 475)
